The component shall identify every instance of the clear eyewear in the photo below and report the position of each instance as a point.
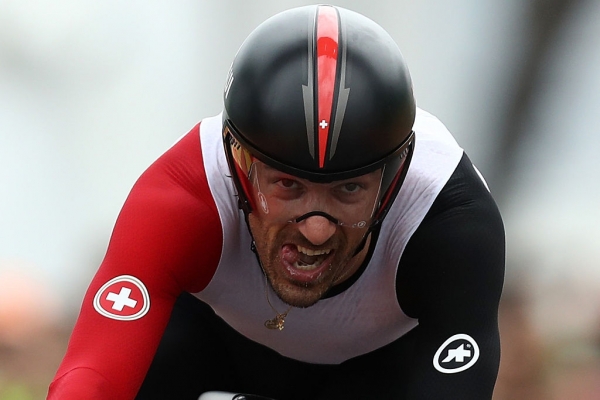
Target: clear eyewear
(284, 198)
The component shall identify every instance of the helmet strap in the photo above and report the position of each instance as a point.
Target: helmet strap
(363, 241)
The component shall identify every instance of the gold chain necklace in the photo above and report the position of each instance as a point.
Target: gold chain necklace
(279, 320)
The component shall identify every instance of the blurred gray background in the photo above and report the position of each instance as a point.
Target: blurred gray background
(93, 92)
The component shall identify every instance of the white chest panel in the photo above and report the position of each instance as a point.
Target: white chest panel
(361, 319)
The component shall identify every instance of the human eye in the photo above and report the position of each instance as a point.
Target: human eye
(287, 183)
(351, 187)
(349, 190)
(277, 180)
(286, 188)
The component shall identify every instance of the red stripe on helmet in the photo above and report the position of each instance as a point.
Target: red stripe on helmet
(327, 52)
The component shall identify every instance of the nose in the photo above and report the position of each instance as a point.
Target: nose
(317, 229)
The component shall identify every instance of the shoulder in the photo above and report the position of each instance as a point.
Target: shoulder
(185, 165)
(463, 209)
(435, 159)
(170, 215)
(466, 194)
(459, 245)
(439, 159)
(428, 127)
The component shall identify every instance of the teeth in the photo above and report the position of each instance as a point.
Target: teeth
(310, 252)
(305, 267)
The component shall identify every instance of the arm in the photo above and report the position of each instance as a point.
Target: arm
(168, 237)
(450, 278)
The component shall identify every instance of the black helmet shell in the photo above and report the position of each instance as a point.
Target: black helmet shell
(277, 85)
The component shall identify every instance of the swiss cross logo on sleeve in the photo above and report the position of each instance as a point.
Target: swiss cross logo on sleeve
(123, 298)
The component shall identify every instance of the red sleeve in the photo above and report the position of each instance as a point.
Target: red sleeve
(167, 239)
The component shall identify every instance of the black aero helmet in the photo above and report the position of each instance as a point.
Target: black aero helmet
(322, 93)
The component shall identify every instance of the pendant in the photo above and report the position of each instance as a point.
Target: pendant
(277, 322)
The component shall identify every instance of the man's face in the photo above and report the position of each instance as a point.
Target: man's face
(304, 256)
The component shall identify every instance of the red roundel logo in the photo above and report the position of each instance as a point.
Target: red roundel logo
(123, 298)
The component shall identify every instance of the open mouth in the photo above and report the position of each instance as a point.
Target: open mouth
(304, 264)
(308, 259)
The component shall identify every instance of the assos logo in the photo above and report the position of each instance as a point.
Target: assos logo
(458, 353)
(123, 298)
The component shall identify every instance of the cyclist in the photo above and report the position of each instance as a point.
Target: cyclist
(322, 238)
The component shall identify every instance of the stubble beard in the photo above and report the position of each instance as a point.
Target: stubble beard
(296, 294)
